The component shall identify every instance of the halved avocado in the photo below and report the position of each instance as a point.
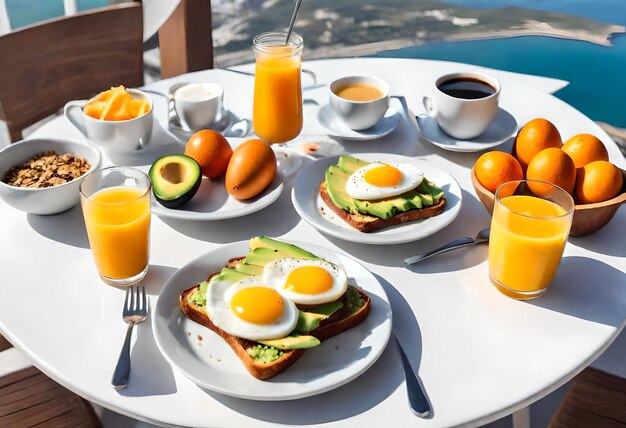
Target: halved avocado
(175, 179)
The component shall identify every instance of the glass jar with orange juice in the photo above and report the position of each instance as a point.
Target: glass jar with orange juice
(116, 208)
(529, 228)
(277, 110)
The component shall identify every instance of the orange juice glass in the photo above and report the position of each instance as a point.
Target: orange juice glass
(277, 110)
(116, 208)
(529, 228)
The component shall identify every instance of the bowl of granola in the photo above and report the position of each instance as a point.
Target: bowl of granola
(42, 176)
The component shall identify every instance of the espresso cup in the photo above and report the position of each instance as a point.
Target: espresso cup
(463, 104)
(113, 136)
(199, 105)
(359, 114)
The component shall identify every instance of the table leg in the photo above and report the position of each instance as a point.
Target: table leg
(521, 418)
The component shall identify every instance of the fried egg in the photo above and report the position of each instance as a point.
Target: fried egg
(307, 282)
(250, 309)
(383, 180)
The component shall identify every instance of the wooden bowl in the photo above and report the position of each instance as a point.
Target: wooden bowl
(587, 218)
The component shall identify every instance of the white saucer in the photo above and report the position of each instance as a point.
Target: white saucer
(503, 127)
(336, 128)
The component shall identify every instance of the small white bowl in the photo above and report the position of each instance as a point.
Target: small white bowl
(114, 137)
(48, 200)
(199, 105)
(359, 115)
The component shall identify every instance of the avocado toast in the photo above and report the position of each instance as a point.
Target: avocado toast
(267, 358)
(425, 200)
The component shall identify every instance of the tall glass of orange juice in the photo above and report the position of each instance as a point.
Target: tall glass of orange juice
(277, 110)
(116, 208)
(529, 228)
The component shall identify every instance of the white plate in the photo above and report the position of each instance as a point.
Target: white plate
(501, 130)
(212, 202)
(308, 203)
(214, 366)
(336, 128)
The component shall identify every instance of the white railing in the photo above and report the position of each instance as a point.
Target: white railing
(5, 24)
(69, 7)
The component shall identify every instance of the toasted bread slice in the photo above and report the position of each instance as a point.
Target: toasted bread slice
(339, 322)
(370, 223)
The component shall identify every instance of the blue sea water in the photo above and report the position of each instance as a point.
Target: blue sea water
(597, 74)
(610, 11)
(24, 12)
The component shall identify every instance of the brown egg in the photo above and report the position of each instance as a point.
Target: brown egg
(251, 169)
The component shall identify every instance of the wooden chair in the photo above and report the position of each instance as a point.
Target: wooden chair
(72, 57)
(185, 40)
(47, 64)
(595, 399)
(29, 398)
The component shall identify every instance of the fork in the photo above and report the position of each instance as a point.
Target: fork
(135, 311)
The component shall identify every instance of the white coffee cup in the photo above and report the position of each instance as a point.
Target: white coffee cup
(459, 117)
(113, 136)
(359, 115)
(199, 105)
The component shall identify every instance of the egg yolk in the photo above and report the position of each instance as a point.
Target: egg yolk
(383, 176)
(309, 280)
(257, 305)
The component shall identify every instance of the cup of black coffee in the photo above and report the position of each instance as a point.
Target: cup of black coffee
(463, 104)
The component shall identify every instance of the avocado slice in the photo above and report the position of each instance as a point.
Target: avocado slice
(250, 269)
(175, 179)
(293, 341)
(349, 164)
(327, 308)
(336, 179)
(230, 275)
(262, 255)
(308, 321)
(385, 208)
(288, 250)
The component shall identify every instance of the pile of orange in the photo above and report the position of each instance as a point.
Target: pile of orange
(580, 166)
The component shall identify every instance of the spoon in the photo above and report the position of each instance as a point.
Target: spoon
(293, 20)
(482, 236)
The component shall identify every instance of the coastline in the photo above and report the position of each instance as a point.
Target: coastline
(530, 28)
(536, 28)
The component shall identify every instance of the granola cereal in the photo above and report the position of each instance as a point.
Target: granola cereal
(46, 170)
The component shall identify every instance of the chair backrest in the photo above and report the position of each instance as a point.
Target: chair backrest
(43, 66)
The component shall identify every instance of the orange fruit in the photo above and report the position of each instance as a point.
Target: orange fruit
(250, 170)
(115, 105)
(211, 150)
(554, 166)
(536, 135)
(598, 181)
(494, 168)
(94, 109)
(585, 148)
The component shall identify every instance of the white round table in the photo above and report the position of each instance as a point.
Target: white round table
(479, 354)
